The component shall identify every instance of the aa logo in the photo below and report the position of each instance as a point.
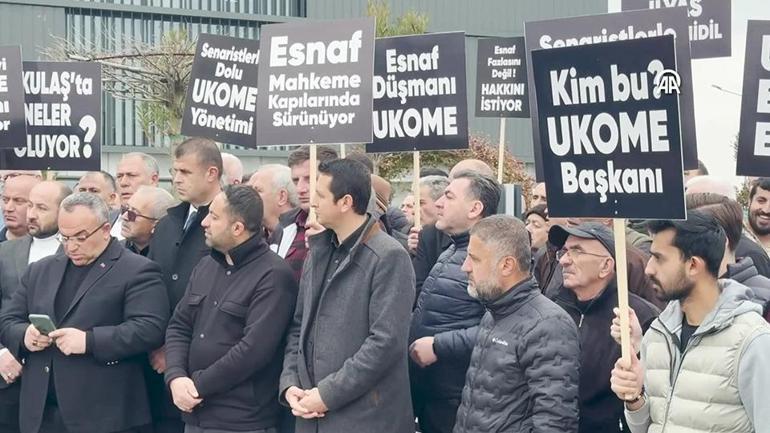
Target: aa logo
(667, 82)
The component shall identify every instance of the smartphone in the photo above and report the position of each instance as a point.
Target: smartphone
(42, 323)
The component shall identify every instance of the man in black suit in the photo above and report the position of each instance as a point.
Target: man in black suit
(109, 307)
(177, 245)
(15, 256)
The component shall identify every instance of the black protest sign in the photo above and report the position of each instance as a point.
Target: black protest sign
(754, 135)
(710, 23)
(501, 78)
(13, 130)
(316, 82)
(610, 136)
(63, 111)
(420, 100)
(597, 29)
(222, 94)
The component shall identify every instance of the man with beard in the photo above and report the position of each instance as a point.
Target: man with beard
(15, 256)
(703, 363)
(759, 213)
(526, 354)
(224, 341)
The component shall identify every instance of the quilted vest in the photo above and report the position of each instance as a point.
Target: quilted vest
(698, 391)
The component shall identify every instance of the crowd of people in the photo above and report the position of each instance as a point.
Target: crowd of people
(249, 303)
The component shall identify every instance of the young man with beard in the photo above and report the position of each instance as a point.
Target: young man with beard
(703, 363)
(225, 339)
(759, 213)
(524, 371)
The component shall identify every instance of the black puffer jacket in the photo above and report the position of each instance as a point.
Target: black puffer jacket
(446, 311)
(744, 272)
(524, 372)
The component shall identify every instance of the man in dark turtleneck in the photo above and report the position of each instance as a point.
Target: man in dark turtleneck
(110, 308)
(446, 318)
(225, 339)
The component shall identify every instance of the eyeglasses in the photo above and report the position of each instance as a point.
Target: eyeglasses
(574, 253)
(132, 214)
(78, 239)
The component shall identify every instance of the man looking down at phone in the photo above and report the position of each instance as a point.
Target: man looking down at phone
(110, 308)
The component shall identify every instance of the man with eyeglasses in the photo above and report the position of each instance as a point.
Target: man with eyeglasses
(109, 308)
(589, 294)
(135, 169)
(141, 214)
(15, 205)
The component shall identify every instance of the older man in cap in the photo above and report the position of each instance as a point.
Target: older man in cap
(589, 294)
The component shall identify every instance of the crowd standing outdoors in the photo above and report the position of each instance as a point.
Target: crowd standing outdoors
(253, 304)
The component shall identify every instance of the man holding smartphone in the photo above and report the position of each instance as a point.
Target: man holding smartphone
(110, 307)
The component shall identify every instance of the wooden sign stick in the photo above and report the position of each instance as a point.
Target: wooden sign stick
(313, 179)
(416, 189)
(621, 273)
(501, 153)
(342, 151)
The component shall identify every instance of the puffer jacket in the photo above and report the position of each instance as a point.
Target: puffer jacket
(524, 371)
(447, 312)
(744, 272)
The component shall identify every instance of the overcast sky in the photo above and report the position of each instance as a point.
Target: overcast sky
(717, 113)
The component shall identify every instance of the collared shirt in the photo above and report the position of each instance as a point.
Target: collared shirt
(295, 257)
(340, 252)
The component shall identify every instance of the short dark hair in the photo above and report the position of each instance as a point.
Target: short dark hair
(702, 168)
(363, 159)
(302, 154)
(245, 204)
(349, 178)
(508, 237)
(540, 210)
(700, 235)
(484, 189)
(432, 171)
(206, 150)
(727, 212)
(762, 182)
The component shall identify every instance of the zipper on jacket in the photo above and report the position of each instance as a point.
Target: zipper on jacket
(580, 323)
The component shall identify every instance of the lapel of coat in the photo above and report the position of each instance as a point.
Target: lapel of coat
(48, 294)
(22, 255)
(100, 268)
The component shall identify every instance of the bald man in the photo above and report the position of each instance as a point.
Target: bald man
(15, 256)
(279, 196)
(233, 169)
(710, 184)
(15, 205)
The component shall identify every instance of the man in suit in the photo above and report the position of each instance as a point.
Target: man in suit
(348, 372)
(177, 246)
(15, 204)
(15, 256)
(226, 337)
(109, 308)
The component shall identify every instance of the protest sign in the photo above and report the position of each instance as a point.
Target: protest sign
(597, 29)
(610, 134)
(501, 78)
(316, 82)
(710, 23)
(63, 113)
(13, 130)
(420, 100)
(754, 135)
(222, 94)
